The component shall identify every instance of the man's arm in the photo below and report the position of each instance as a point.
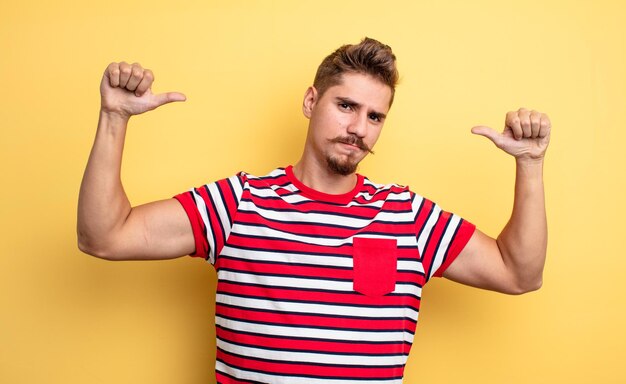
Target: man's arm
(108, 227)
(513, 263)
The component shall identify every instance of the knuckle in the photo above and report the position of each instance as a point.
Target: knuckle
(112, 70)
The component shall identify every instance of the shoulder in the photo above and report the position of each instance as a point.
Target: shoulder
(392, 191)
(275, 179)
(372, 187)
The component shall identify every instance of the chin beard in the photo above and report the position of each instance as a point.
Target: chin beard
(344, 168)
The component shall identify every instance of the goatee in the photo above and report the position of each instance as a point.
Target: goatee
(342, 168)
(347, 167)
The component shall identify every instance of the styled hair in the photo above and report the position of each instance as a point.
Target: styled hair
(370, 57)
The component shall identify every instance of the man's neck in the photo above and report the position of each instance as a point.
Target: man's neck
(321, 179)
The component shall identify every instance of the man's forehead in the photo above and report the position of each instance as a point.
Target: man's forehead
(363, 89)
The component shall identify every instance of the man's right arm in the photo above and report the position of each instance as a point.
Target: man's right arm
(108, 227)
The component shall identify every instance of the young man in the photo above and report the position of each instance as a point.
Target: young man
(319, 269)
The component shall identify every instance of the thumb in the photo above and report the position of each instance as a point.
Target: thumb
(489, 133)
(168, 97)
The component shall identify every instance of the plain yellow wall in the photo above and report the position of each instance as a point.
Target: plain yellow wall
(70, 318)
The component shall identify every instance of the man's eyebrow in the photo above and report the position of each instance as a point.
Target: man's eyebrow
(353, 103)
(348, 101)
(380, 115)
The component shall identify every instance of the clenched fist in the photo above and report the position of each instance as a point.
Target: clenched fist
(125, 90)
(526, 134)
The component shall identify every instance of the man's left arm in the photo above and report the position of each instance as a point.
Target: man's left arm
(513, 263)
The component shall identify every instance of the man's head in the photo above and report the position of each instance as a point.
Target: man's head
(369, 57)
(347, 105)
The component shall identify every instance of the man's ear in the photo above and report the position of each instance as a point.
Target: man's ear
(310, 99)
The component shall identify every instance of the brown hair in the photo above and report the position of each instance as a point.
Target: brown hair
(369, 57)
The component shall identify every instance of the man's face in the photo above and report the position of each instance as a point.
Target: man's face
(346, 120)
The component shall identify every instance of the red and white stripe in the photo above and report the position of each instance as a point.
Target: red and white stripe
(286, 307)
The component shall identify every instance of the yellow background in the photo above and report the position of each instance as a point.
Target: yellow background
(66, 317)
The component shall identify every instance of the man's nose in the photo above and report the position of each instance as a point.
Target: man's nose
(358, 125)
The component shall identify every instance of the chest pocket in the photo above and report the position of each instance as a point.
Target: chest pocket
(375, 265)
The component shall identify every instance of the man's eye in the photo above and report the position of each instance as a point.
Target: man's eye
(344, 106)
(375, 117)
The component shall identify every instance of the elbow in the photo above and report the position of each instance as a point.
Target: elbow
(92, 248)
(527, 287)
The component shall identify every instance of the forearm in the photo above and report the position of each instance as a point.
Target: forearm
(102, 204)
(523, 241)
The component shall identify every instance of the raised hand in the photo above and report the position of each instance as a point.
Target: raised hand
(125, 89)
(526, 134)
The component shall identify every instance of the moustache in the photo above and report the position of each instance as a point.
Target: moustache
(352, 140)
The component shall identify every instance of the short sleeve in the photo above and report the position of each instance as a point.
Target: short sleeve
(211, 210)
(441, 236)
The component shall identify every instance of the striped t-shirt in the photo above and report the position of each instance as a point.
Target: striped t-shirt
(318, 288)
